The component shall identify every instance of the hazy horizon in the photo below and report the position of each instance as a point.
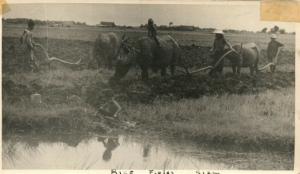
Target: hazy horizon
(221, 16)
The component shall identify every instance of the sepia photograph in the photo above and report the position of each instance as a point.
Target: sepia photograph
(105, 86)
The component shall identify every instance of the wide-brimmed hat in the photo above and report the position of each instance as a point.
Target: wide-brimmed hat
(273, 36)
(217, 31)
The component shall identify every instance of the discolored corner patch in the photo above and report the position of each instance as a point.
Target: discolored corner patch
(280, 10)
(4, 7)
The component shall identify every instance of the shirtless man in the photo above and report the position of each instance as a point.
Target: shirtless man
(152, 31)
(29, 44)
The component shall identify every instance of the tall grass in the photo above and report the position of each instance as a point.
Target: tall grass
(267, 117)
(262, 118)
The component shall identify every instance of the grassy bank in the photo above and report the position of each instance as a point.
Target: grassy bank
(265, 120)
(224, 111)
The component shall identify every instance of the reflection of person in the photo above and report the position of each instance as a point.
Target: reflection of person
(218, 49)
(110, 144)
(273, 50)
(26, 39)
(146, 150)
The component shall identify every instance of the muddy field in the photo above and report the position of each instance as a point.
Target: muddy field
(180, 86)
(192, 55)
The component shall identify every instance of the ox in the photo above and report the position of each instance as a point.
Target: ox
(106, 49)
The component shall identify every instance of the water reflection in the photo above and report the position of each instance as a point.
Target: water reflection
(110, 143)
(146, 151)
(126, 152)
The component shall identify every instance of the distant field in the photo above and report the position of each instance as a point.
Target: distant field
(184, 38)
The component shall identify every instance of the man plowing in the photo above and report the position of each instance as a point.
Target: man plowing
(218, 50)
(273, 50)
(29, 44)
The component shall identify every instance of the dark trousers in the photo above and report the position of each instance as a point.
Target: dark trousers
(272, 67)
(219, 68)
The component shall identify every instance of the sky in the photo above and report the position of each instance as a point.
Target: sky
(221, 16)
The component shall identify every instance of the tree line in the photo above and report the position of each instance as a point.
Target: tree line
(169, 27)
(274, 30)
(24, 21)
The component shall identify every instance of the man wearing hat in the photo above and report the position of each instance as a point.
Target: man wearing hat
(218, 50)
(272, 51)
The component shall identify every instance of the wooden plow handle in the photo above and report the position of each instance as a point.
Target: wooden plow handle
(271, 63)
(208, 67)
(55, 58)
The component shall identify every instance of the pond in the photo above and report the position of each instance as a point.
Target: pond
(130, 152)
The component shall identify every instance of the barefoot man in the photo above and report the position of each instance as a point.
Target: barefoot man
(29, 44)
(273, 50)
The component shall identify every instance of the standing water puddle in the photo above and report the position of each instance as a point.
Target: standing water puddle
(128, 152)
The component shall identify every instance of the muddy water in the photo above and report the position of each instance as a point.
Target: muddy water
(128, 152)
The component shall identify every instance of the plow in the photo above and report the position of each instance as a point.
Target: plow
(50, 59)
(187, 71)
(211, 67)
(274, 63)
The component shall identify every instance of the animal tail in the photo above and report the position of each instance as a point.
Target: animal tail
(258, 57)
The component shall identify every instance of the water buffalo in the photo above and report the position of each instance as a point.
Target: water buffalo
(147, 54)
(244, 55)
(106, 48)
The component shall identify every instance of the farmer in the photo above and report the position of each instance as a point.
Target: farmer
(152, 33)
(111, 108)
(218, 50)
(29, 44)
(273, 50)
